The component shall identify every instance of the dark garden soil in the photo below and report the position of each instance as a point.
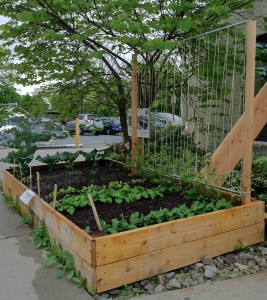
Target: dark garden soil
(85, 175)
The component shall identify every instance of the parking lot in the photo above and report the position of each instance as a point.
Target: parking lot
(87, 143)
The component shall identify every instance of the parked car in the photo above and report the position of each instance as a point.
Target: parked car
(112, 125)
(16, 120)
(88, 123)
(161, 120)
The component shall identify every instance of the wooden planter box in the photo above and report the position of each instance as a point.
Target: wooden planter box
(114, 260)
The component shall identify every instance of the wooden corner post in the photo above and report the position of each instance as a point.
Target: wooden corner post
(134, 113)
(249, 109)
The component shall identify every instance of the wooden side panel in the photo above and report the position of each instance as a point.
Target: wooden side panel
(229, 152)
(76, 239)
(80, 265)
(144, 266)
(153, 238)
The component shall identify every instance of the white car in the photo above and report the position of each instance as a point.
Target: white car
(161, 120)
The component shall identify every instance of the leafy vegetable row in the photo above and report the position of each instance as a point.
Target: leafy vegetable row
(117, 192)
(137, 220)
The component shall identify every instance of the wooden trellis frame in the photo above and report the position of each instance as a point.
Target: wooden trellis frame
(238, 143)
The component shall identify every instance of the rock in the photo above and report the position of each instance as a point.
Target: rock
(241, 267)
(169, 275)
(257, 258)
(193, 283)
(149, 287)
(206, 260)
(264, 251)
(220, 265)
(174, 283)
(161, 279)
(200, 280)
(144, 282)
(103, 296)
(137, 285)
(196, 276)
(199, 266)
(229, 259)
(210, 271)
(114, 292)
(159, 288)
(186, 283)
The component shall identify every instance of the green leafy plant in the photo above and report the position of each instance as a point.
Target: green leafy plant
(50, 160)
(117, 192)
(69, 158)
(40, 237)
(95, 155)
(137, 220)
(13, 203)
(64, 260)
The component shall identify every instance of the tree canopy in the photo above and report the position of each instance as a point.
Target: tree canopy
(90, 42)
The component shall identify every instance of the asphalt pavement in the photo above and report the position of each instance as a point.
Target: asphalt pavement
(23, 276)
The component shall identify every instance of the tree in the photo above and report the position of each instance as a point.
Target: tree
(92, 41)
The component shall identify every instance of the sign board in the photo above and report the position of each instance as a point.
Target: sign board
(143, 122)
(27, 196)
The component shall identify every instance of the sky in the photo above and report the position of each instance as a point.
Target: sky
(23, 90)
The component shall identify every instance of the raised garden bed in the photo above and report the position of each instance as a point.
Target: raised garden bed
(114, 260)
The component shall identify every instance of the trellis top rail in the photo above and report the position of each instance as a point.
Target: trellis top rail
(215, 30)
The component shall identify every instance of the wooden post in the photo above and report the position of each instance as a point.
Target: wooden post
(30, 178)
(38, 184)
(249, 109)
(134, 113)
(55, 196)
(77, 132)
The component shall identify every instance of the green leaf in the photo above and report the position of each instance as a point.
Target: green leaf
(26, 16)
(49, 261)
(59, 274)
(185, 24)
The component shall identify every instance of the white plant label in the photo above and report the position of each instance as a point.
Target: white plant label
(27, 196)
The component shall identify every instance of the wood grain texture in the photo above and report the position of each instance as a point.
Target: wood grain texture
(144, 266)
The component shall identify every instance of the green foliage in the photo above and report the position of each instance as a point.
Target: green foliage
(13, 204)
(40, 237)
(85, 52)
(258, 178)
(64, 260)
(50, 160)
(95, 155)
(172, 142)
(117, 192)
(69, 158)
(137, 220)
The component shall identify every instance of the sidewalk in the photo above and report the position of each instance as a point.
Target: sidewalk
(23, 275)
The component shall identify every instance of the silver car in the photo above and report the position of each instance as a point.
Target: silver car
(88, 123)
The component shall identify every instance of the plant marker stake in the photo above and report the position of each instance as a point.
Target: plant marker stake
(38, 183)
(30, 178)
(55, 196)
(14, 167)
(94, 212)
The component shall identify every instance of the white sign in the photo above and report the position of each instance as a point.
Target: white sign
(27, 196)
(143, 122)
